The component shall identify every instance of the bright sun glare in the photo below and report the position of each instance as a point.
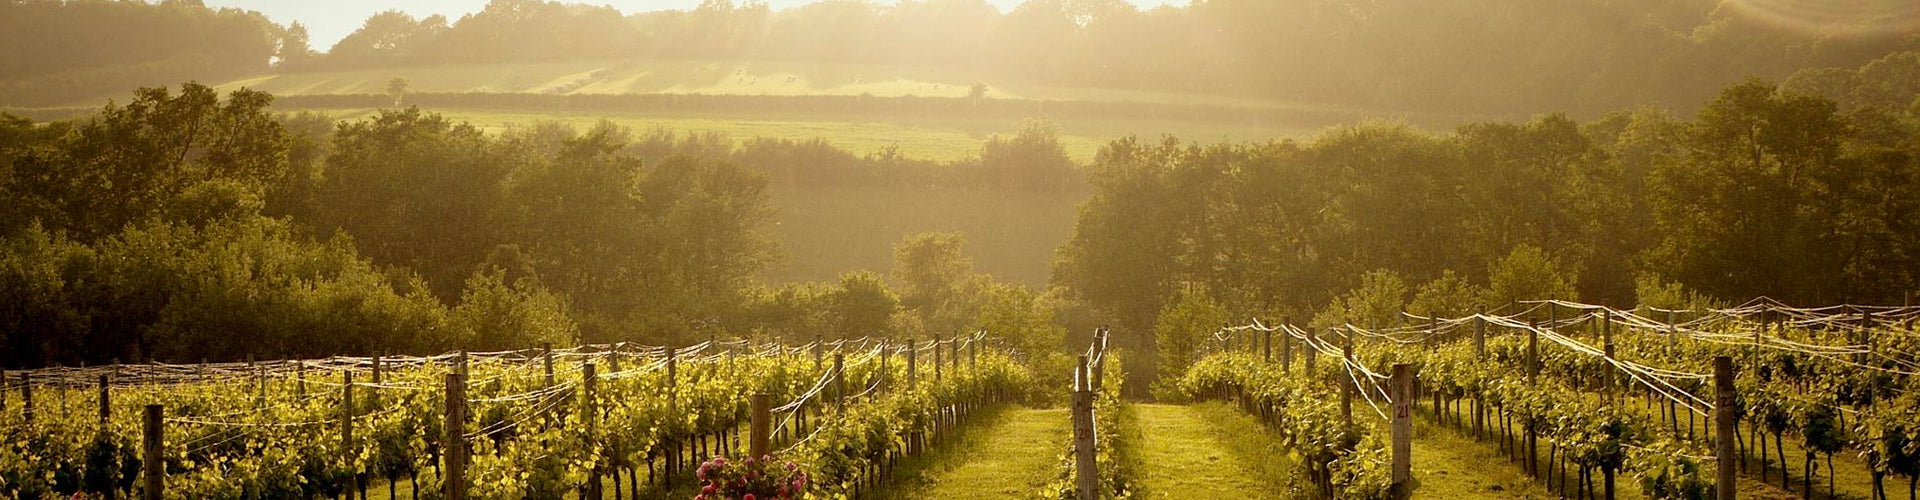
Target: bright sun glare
(1835, 17)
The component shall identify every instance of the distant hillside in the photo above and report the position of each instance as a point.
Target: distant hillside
(1482, 57)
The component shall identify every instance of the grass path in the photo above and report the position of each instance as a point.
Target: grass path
(1010, 454)
(1447, 464)
(1184, 453)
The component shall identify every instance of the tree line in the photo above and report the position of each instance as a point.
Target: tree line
(1766, 191)
(184, 225)
(61, 51)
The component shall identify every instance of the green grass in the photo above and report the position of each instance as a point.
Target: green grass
(713, 77)
(1007, 453)
(1447, 464)
(1262, 451)
(1186, 452)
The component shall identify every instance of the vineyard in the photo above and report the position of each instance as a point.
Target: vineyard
(1581, 395)
(601, 421)
(1756, 401)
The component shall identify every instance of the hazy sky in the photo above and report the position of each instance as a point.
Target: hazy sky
(330, 20)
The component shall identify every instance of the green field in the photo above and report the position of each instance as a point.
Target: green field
(679, 76)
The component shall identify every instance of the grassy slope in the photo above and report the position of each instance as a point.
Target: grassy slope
(1009, 454)
(712, 77)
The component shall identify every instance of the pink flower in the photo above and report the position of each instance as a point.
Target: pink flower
(748, 497)
(708, 490)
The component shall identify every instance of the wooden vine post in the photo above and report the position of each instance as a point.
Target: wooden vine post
(1402, 429)
(153, 444)
(955, 359)
(3, 390)
(1532, 452)
(839, 383)
(454, 445)
(673, 408)
(938, 367)
(1347, 386)
(373, 393)
(588, 377)
(546, 359)
(106, 402)
(1606, 343)
(1266, 346)
(1100, 357)
(760, 426)
(26, 396)
(1479, 355)
(973, 357)
(1086, 472)
(1308, 350)
(1723, 448)
(346, 422)
(915, 436)
(1286, 350)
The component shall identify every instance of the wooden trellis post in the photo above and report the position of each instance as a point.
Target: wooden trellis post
(1724, 487)
(454, 443)
(588, 378)
(106, 402)
(760, 423)
(1532, 453)
(1086, 471)
(153, 445)
(1347, 386)
(1402, 429)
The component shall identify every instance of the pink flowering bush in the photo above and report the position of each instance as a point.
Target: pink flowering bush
(751, 479)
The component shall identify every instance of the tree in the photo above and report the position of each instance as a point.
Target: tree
(417, 190)
(1528, 273)
(294, 48)
(1377, 302)
(128, 163)
(397, 89)
(494, 315)
(1745, 210)
(936, 279)
(1186, 324)
(861, 306)
(1449, 295)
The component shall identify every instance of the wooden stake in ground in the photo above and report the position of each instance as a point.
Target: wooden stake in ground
(1086, 472)
(454, 443)
(761, 424)
(1346, 384)
(588, 378)
(1402, 429)
(1723, 421)
(153, 442)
